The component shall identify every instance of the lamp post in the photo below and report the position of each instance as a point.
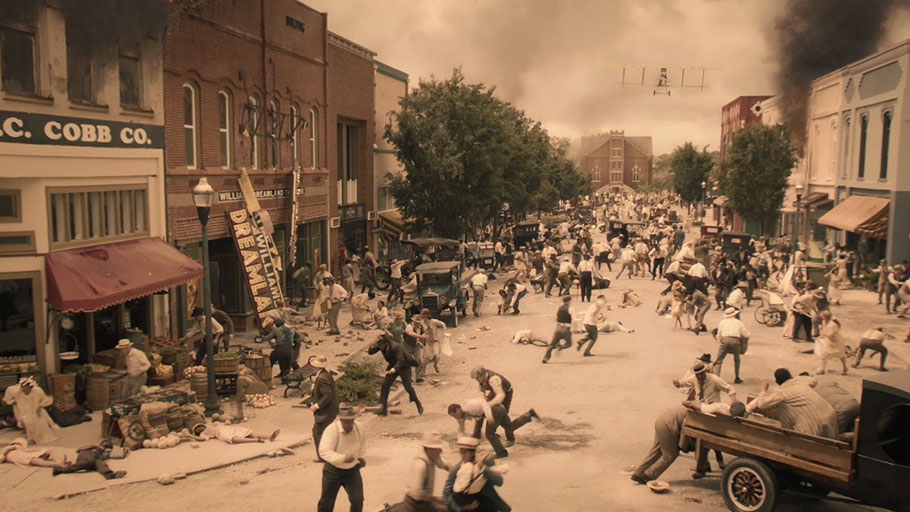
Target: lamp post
(203, 197)
(799, 196)
(703, 188)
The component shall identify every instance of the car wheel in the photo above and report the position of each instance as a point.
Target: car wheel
(383, 279)
(748, 485)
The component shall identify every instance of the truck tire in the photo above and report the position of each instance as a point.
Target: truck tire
(748, 485)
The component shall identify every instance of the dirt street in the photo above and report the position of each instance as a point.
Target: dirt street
(597, 418)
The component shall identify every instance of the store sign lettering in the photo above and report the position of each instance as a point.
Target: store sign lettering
(232, 196)
(258, 266)
(28, 128)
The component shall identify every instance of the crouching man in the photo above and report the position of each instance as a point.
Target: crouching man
(419, 497)
(470, 484)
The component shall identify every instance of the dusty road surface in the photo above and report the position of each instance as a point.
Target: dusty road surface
(597, 419)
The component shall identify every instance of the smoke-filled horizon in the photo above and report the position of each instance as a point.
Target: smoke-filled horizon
(560, 61)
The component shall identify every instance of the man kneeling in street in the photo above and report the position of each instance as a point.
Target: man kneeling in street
(496, 416)
(470, 484)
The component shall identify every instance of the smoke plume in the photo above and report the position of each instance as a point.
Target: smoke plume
(815, 37)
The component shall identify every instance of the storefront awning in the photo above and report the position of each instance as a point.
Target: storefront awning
(720, 200)
(95, 277)
(864, 215)
(392, 224)
(813, 200)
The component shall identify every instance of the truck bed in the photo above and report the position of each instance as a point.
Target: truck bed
(815, 458)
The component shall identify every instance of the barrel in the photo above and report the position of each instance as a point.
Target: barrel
(200, 384)
(261, 366)
(97, 392)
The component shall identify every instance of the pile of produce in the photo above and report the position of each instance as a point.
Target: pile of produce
(261, 401)
(169, 441)
(188, 372)
(164, 370)
(85, 370)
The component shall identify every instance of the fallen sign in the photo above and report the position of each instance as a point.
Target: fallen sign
(256, 260)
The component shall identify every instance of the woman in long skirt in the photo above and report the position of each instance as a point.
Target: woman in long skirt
(835, 281)
(830, 344)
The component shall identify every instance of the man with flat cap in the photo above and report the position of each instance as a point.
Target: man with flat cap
(324, 401)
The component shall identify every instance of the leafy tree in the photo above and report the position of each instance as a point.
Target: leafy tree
(465, 153)
(690, 168)
(754, 174)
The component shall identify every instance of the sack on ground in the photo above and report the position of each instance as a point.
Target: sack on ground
(174, 418)
(132, 431)
(153, 417)
(192, 414)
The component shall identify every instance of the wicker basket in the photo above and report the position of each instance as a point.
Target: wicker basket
(226, 365)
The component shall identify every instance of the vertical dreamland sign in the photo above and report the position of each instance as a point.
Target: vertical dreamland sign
(258, 266)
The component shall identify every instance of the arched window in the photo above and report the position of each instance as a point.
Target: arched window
(272, 128)
(191, 125)
(255, 121)
(314, 148)
(886, 144)
(863, 134)
(225, 127)
(295, 155)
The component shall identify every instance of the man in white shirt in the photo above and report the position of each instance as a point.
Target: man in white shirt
(496, 416)
(734, 338)
(596, 313)
(479, 286)
(337, 296)
(641, 257)
(517, 290)
(419, 496)
(342, 448)
(737, 297)
(586, 272)
(564, 277)
(196, 333)
(395, 280)
(137, 365)
(499, 255)
(627, 261)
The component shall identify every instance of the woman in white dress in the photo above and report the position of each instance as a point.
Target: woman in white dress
(28, 401)
(835, 281)
(830, 344)
(230, 434)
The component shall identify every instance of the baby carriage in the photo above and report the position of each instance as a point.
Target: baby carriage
(772, 311)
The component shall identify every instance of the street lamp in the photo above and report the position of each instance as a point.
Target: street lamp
(703, 187)
(799, 196)
(203, 197)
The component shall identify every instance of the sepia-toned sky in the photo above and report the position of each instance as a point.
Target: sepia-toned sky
(560, 60)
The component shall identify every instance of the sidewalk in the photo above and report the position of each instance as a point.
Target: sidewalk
(26, 484)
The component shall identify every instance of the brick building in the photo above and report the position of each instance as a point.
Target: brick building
(245, 88)
(620, 163)
(350, 127)
(739, 114)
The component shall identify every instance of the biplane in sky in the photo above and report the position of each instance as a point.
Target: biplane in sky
(665, 78)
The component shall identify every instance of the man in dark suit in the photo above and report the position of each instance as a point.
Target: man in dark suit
(399, 366)
(323, 402)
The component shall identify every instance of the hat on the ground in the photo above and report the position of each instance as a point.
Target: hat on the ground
(124, 343)
(346, 413)
(567, 298)
(318, 361)
(467, 443)
(699, 368)
(731, 312)
(432, 440)
(705, 358)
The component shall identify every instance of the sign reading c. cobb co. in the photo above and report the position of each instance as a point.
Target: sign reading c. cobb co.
(28, 128)
(258, 266)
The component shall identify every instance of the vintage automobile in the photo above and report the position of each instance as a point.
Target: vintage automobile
(527, 234)
(732, 242)
(425, 250)
(872, 468)
(442, 287)
(657, 213)
(622, 229)
(710, 232)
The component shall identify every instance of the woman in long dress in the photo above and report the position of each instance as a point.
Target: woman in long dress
(830, 344)
(28, 401)
(835, 280)
(321, 307)
(230, 434)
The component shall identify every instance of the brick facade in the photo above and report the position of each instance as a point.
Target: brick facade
(620, 162)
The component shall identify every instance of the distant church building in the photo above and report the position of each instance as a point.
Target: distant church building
(619, 162)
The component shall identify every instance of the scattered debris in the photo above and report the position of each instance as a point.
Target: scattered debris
(244, 482)
(692, 499)
(395, 403)
(484, 328)
(472, 348)
(395, 411)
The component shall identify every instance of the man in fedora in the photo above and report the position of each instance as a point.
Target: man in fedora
(422, 478)
(733, 337)
(470, 484)
(399, 365)
(342, 448)
(137, 365)
(323, 402)
(563, 332)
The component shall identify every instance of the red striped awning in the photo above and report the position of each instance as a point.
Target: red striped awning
(864, 215)
(95, 277)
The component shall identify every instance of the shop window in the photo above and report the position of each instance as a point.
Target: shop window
(314, 151)
(130, 80)
(17, 318)
(893, 435)
(10, 206)
(190, 126)
(79, 65)
(863, 133)
(225, 128)
(347, 162)
(886, 143)
(77, 216)
(17, 57)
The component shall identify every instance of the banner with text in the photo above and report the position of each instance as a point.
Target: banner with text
(258, 266)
